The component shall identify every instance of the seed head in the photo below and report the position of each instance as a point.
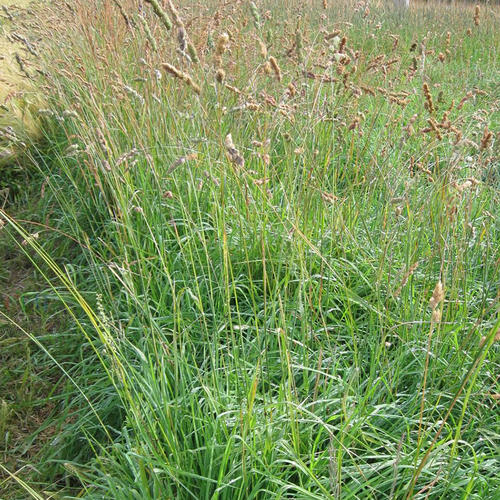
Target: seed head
(262, 48)
(182, 39)
(486, 139)
(437, 296)
(222, 43)
(255, 14)
(428, 98)
(160, 13)
(220, 75)
(169, 68)
(276, 68)
(233, 153)
(436, 316)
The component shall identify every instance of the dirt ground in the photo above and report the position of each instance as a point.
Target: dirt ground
(18, 69)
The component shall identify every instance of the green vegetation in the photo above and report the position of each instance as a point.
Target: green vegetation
(270, 243)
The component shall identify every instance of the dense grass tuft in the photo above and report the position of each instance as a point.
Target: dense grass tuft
(249, 217)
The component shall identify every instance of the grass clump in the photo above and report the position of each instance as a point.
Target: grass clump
(280, 282)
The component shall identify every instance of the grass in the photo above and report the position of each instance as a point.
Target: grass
(245, 249)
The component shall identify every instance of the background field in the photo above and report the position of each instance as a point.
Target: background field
(263, 245)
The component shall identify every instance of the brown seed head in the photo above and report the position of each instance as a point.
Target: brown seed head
(262, 48)
(222, 44)
(486, 139)
(448, 39)
(276, 68)
(476, 15)
(169, 68)
(233, 153)
(437, 295)
(220, 75)
(428, 98)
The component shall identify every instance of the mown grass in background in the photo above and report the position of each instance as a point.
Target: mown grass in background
(248, 245)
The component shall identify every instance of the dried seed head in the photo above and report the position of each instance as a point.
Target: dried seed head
(464, 99)
(169, 68)
(180, 161)
(463, 186)
(267, 68)
(261, 182)
(262, 48)
(436, 316)
(486, 139)
(276, 68)
(222, 43)
(342, 44)
(434, 127)
(221, 47)
(233, 153)
(437, 296)
(428, 98)
(328, 197)
(354, 124)
(220, 75)
(476, 15)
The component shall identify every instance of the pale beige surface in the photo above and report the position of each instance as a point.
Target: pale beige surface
(9, 74)
(20, 3)
(16, 92)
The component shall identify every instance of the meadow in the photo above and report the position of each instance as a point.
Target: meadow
(263, 248)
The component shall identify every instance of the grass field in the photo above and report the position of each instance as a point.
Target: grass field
(266, 250)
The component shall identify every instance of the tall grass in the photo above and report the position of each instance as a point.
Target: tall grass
(252, 243)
